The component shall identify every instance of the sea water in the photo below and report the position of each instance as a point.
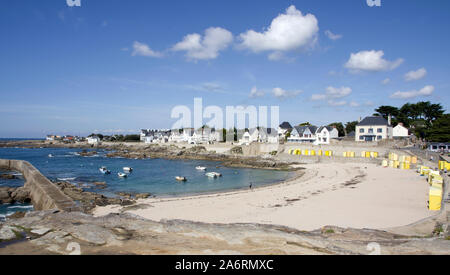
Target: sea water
(155, 176)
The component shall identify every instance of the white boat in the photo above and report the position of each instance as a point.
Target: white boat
(181, 178)
(217, 174)
(122, 175)
(201, 168)
(211, 175)
(128, 169)
(50, 155)
(104, 170)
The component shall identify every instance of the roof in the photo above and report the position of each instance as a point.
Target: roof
(302, 129)
(373, 121)
(286, 125)
(329, 128)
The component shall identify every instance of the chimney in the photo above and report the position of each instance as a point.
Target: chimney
(359, 120)
(389, 120)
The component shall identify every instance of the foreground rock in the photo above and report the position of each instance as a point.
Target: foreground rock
(59, 233)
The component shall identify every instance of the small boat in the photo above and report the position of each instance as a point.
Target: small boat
(181, 178)
(128, 169)
(211, 175)
(201, 168)
(50, 155)
(217, 174)
(122, 175)
(104, 170)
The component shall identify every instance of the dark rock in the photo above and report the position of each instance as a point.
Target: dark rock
(8, 177)
(143, 196)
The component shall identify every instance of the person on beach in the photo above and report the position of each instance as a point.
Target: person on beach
(251, 185)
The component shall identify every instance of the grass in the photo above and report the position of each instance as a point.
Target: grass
(329, 231)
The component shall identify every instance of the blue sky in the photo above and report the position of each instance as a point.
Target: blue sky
(118, 66)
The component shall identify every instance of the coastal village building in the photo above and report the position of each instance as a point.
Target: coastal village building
(325, 134)
(260, 135)
(94, 140)
(303, 134)
(400, 131)
(283, 129)
(373, 128)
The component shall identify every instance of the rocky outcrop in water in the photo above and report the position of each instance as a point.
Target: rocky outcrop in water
(89, 200)
(12, 195)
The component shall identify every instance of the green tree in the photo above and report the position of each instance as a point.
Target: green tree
(440, 130)
(339, 127)
(304, 124)
(350, 126)
(385, 111)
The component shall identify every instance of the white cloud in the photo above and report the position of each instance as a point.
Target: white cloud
(332, 93)
(144, 50)
(425, 91)
(206, 87)
(282, 94)
(416, 75)
(386, 81)
(354, 104)
(371, 61)
(256, 93)
(332, 36)
(289, 31)
(206, 47)
(337, 103)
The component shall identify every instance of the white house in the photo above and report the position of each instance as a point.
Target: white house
(283, 129)
(400, 131)
(50, 138)
(373, 128)
(303, 134)
(94, 140)
(325, 133)
(250, 136)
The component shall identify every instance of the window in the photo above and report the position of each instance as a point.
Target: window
(361, 138)
(380, 130)
(379, 137)
(361, 130)
(370, 131)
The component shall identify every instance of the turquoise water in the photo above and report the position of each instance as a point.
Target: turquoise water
(155, 176)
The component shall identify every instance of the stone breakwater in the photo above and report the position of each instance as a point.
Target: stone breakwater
(43, 193)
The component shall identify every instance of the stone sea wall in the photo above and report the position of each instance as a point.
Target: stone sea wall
(44, 194)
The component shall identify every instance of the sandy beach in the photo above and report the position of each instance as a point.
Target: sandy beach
(340, 194)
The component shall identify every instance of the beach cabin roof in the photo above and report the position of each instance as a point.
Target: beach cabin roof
(373, 121)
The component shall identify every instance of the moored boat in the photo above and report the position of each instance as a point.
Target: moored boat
(211, 175)
(217, 174)
(128, 169)
(181, 178)
(104, 170)
(201, 168)
(122, 175)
